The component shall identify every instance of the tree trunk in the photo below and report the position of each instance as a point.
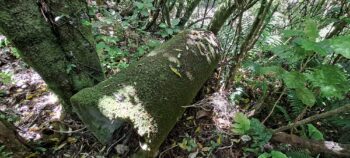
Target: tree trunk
(150, 93)
(189, 12)
(53, 38)
(221, 15)
(328, 147)
(179, 9)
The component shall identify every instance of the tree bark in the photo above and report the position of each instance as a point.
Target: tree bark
(221, 15)
(52, 38)
(179, 9)
(328, 147)
(150, 93)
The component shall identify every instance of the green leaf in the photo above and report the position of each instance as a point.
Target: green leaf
(175, 71)
(294, 79)
(162, 25)
(341, 45)
(289, 53)
(312, 46)
(86, 22)
(241, 125)
(169, 31)
(330, 79)
(175, 22)
(5, 77)
(70, 67)
(306, 96)
(314, 133)
(139, 5)
(311, 30)
(265, 155)
(277, 154)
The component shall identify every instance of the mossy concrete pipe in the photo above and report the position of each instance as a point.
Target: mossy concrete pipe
(150, 93)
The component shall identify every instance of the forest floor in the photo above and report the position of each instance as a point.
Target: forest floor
(36, 113)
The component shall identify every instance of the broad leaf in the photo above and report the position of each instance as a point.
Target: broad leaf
(306, 96)
(264, 155)
(241, 125)
(314, 133)
(312, 46)
(341, 45)
(277, 154)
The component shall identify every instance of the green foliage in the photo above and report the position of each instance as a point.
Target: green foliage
(5, 77)
(8, 117)
(331, 80)
(311, 30)
(298, 154)
(273, 154)
(241, 125)
(259, 133)
(144, 7)
(295, 103)
(189, 144)
(294, 79)
(341, 45)
(306, 96)
(4, 153)
(314, 133)
(168, 31)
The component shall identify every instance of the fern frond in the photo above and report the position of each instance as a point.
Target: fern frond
(295, 103)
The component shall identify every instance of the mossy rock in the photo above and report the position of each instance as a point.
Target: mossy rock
(150, 93)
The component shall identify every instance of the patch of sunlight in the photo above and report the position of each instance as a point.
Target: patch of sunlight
(125, 104)
(172, 59)
(325, 30)
(189, 76)
(57, 112)
(153, 53)
(333, 146)
(52, 98)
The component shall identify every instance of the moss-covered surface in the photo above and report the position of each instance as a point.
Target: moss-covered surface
(222, 13)
(52, 39)
(150, 93)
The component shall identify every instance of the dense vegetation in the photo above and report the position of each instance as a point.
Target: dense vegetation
(280, 87)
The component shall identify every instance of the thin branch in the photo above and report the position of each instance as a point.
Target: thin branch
(329, 147)
(274, 105)
(343, 109)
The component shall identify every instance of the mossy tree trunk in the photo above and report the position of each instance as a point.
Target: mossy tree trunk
(221, 15)
(189, 12)
(52, 38)
(150, 93)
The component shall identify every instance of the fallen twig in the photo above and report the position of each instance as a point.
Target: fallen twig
(329, 147)
(333, 112)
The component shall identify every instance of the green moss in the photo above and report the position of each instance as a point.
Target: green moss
(149, 94)
(50, 52)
